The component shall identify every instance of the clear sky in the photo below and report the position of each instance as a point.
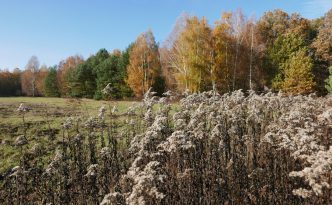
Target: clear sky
(55, 29)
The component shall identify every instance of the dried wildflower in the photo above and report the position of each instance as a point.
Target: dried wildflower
(317, 173)
(22, 108)
(78, 138)
(180, 124)
(179, 140)
(101, 113)
(216, 132)
(91, 122)
(145, 183)
(326, 117)
(162, 100)
(16, 171)
(149, 94)
(168, 93)
(131, 110)
(148, 117)
(114, 110)
(113, 198)
(68, 123)
(92, 170)
(55, 163)
(130, 122)
(20, 141)
(108, 89)
(186, 93)
(230, 164)
(105, 152)
(304, 193)
(186, 174)
(149, 99)
(37, 149)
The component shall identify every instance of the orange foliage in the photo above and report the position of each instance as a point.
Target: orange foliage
(40, 76)
(66, 67)
(143, 65)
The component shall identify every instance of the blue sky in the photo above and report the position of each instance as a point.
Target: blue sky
(55, 29)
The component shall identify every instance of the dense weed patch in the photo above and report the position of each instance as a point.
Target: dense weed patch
(214, 149)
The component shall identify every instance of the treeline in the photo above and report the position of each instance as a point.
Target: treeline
(279, 51)
(72, 77)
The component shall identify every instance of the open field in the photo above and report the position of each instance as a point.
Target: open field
(56, 107)
(44, 119)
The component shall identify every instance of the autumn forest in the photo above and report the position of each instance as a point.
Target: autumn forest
(279, 51)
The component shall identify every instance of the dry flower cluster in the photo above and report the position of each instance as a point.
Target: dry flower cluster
(238, 148)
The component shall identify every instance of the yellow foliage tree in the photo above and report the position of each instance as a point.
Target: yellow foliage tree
(40, 77)
(222, 47)
(190, 55)
(144, 64)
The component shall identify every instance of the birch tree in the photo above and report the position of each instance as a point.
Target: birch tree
(29, 76)
(190, 54)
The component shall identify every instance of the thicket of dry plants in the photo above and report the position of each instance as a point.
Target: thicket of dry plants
(215, 149)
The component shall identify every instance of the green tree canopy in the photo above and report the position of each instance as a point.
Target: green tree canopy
(298, 77)
(50, 83)
(328, 81)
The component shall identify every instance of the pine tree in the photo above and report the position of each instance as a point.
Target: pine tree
(328, 81)
(283, 48)
(298, 74)
(66, 70)
(50, 83)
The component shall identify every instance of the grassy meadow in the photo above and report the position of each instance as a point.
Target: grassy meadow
(44, 119)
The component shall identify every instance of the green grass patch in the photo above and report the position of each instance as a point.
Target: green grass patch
(45, 113)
